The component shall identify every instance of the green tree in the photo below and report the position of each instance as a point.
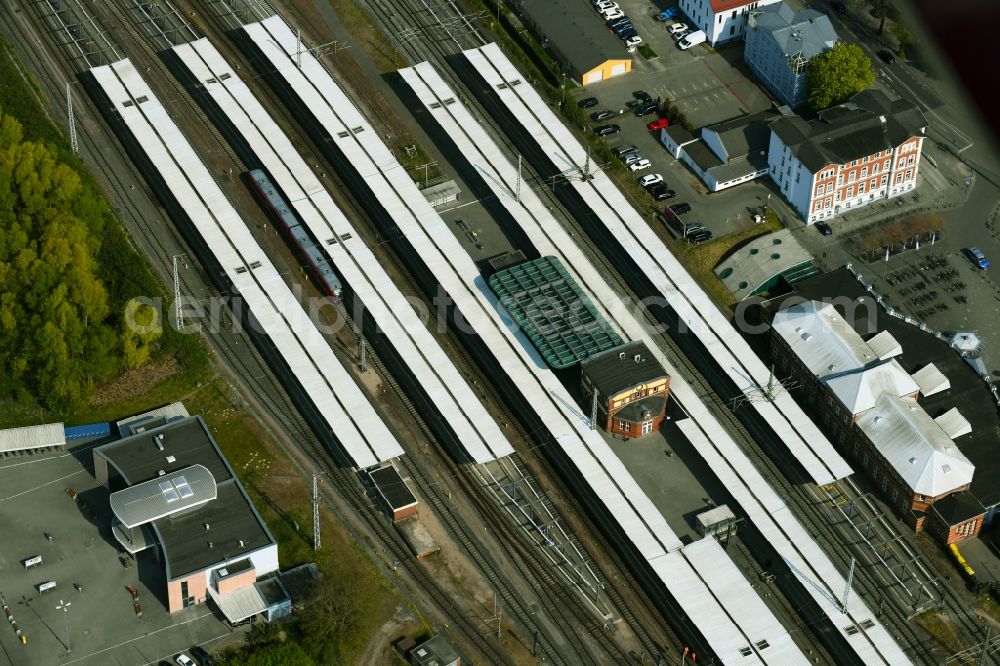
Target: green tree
(271, 654)
(837, 75)
(141, 331)
(329, 625)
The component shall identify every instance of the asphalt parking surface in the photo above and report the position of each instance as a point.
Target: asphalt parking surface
(100, 622)
(708, 87)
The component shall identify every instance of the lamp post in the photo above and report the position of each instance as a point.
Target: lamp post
(64, 607)
(563, 101)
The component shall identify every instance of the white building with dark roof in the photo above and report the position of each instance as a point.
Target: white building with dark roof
(779, 44)
(851, 155)
(174, 493)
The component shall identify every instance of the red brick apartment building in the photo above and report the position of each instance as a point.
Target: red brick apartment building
(867, 404)
(851, 155)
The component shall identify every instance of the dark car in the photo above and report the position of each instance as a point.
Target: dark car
(646, 109)
(681, 208)
(199, 653)
(633, 103)
(626, 35)
(700, 236)
(587, 102)
(838, 7)
(624, 148)
(824, 228)
(605, 130)
(887, 56)
(602, 115)
(661, 193)
(641, 94)
(617, 21)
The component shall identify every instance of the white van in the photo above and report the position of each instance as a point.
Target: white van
(692, 39)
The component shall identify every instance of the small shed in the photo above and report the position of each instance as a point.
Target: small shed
(393, 492)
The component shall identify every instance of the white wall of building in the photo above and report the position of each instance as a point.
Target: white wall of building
(724, 26)
(265, 561)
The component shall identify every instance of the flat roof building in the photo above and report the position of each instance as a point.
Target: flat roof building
(759, 265)
(577, 38)
(172, 490)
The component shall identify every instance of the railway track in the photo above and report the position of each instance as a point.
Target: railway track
(806, 505)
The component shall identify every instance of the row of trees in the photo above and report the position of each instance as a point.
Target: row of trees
(903, 234)
(60, 332)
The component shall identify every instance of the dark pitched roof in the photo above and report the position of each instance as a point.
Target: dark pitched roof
(967, 392)
(680, 134)
(575, 32)
(868, 123)
(958, 507)
(746, 135)
(615, 370)
(702, 155)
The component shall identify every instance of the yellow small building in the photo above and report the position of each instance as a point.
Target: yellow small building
(577, 38)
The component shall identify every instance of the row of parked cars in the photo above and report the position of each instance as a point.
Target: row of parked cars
(681, 31)
(617, 22)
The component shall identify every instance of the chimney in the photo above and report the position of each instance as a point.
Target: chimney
(621, 356)
(205, 525)
(159, 441)
(210, 545)
(637, 358)
(241, 543)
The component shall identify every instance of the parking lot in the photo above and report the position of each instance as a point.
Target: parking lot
(708, 87)
(99, 623)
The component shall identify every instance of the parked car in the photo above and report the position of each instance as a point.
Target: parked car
(668, 13)
(602, 115)
(678, 36)
(661, 193)
(887, 56)
(622, 149)
(605, 130)
(632, 40)
(618, 21)
(658, 124)
(587, 102)
(824, 228)
(646, 109)
(623, 30)
(694, 227)
(650, 179)
(199, 653)
(641, 94)
(977, 257)
(700, 236)
(605, 5)
(680, 26)
(639, 165)
(612, 14)
(633, 103)
(628, 159)
(183, 660)
(692, 39)
(838, 7)
(681, 208)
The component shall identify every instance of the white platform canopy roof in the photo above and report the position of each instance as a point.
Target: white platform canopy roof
(154, 499)
(953, 423)
(931, 380)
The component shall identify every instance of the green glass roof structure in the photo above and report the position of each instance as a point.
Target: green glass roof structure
(553, 311)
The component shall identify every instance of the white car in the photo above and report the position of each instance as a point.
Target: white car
(629, 160)
(634, 40)
(640, 165)
(679, 35)
(613, 13)
(650, 179)
(184, 660)
(678, 27)
(605, 5)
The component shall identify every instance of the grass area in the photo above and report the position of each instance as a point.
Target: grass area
(375, 44)
(647, 52)
(943, 635)
(989, 607)
(700, 260)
